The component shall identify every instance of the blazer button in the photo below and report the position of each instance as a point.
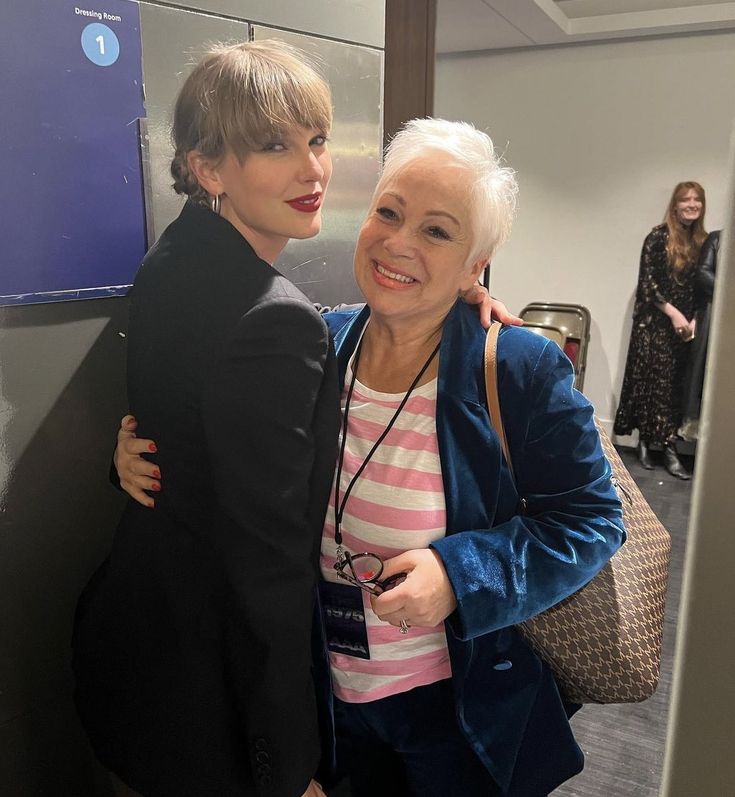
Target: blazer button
(503, 664)
(265, 780)
(260, 744)
(262, 757)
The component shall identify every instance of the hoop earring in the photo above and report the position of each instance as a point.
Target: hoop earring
(216, 204)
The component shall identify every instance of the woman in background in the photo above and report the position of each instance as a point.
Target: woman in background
(663, 326)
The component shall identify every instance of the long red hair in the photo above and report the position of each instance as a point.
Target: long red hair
(684, 242)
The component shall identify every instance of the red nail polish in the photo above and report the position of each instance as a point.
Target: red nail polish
(156, 474)
(152, 448)
(155, 487)
(151, 504)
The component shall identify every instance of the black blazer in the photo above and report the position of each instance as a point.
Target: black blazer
(704, 286)
(192, 641)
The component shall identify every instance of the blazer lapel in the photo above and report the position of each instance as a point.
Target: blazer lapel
(469, 450)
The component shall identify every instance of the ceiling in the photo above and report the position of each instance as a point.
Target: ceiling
(498, 24)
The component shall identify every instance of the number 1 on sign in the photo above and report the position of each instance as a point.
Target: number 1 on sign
(99, 43)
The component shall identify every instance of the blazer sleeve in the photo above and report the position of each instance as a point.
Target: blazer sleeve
(504, 575)
(257, 416)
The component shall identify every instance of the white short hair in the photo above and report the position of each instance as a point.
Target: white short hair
(494, 187)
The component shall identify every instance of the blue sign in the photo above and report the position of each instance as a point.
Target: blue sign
(72, 214)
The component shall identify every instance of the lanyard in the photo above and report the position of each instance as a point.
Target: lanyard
(339, 506)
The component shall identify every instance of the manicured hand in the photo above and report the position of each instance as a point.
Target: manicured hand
(135, 473)
(424, 599)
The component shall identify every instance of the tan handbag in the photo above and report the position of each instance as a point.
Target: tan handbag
(603, 643)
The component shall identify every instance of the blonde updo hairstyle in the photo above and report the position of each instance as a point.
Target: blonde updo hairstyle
(493, 188)
(241, 97)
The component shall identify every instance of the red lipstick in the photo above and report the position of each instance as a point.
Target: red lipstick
(309, 203)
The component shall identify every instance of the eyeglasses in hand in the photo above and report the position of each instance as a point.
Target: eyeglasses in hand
(363, 570)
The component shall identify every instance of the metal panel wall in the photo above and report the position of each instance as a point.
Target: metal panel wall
(360, 21)
(62, 389)
(167, 60)
(322, 266)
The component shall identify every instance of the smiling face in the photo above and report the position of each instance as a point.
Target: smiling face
(276, 193)
(688, 207)
(411, 256)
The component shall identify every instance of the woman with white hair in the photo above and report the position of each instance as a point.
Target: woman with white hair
(448, 699)
(429, 556)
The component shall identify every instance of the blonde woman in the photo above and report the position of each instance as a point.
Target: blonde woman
(192, 641)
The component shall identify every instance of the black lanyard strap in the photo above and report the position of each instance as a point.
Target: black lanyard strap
(339, 506)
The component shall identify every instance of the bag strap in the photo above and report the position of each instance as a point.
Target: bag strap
(493, 404)
(491, 389)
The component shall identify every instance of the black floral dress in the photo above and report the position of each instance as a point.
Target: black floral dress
(654, 371)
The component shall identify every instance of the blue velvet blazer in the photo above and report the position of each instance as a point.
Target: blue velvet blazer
(504, 567)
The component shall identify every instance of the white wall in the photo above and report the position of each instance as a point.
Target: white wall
(599, 134)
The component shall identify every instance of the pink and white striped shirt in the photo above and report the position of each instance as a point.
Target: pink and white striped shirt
(396, 505)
